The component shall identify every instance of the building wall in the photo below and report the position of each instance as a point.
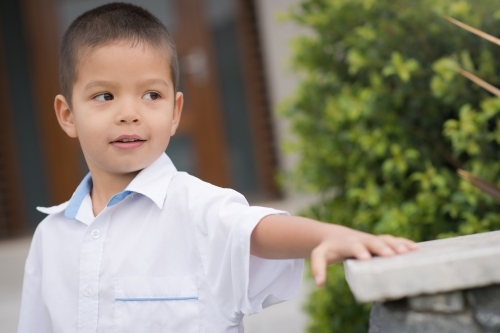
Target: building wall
(275, 38)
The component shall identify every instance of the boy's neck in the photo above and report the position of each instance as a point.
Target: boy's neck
(105, 185)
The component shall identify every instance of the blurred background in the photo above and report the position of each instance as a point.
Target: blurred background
(232, 56)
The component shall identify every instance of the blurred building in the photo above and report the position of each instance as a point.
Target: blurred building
(231, 55)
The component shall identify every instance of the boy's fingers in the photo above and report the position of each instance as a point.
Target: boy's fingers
(377, 246)
(318, 265)
(409, 243)
(397, 244)
(384, 245)
(359, 251)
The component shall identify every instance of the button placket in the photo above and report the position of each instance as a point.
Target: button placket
(88, 291)
(90, 263)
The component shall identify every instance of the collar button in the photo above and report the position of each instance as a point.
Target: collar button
(95, 234)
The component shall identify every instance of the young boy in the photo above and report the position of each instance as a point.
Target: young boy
(141, 247)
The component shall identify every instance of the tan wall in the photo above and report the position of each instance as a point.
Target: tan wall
(276, 37)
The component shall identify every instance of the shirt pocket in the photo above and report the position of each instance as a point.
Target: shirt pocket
(159, 304)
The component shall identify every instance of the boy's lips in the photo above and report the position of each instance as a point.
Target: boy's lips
(128, 142)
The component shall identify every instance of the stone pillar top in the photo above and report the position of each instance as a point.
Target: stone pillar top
(438, 266)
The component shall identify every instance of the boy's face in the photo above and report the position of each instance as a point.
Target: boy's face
(124, 110)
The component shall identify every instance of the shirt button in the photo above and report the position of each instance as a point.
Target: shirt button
(87, 291)
(95, 234)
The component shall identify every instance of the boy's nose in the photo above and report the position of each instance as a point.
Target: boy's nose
(128, 116)
(129, 120)
(128, 112)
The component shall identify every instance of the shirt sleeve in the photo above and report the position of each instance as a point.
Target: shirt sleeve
(243, 284)
(33, 314)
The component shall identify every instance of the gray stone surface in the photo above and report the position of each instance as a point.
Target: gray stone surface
(438, 266)
(445, 303)
(397, 317)
(486, 305)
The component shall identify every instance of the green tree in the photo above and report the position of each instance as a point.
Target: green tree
(383, 121)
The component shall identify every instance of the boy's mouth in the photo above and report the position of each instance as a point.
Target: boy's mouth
(128, 142)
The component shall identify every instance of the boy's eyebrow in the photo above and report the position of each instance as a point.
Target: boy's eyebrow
(95, 83)
(101, 83)
(154, 80)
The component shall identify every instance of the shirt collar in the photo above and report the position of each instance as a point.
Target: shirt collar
(76, 200)
(151, 182)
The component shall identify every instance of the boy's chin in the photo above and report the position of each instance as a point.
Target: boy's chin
(128, 169)
(122, 168)
(122, 165)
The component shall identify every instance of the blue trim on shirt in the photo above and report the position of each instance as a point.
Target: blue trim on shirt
(118, 197)
(146, 299)
(81, 192)
(76, 200)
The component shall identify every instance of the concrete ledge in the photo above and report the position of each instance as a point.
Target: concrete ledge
(438, 266)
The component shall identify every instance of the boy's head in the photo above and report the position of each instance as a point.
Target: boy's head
(119, 78)
(107, 24)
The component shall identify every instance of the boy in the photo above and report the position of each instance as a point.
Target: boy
(141, 247)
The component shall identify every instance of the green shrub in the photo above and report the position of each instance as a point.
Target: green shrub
(383, 121)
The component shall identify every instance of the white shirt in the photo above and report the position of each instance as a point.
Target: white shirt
(170, 253)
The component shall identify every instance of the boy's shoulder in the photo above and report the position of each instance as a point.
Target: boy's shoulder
(196, 186)
(198, 192)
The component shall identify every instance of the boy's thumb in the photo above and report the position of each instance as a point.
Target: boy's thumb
(318, 266)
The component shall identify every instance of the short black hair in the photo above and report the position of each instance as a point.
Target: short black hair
(108, 23)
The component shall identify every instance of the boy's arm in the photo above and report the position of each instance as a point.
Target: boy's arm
(286, 237)
(33, 313)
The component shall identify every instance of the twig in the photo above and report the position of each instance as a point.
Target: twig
(494, 90)
(482, 184)
(480, 33)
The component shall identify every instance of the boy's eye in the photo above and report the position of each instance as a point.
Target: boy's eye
(151, 96)
(104, 97)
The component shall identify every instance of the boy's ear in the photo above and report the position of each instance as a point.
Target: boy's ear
(65, 116)
(179, 103)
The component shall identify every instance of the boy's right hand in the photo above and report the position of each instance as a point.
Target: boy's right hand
(343, 243)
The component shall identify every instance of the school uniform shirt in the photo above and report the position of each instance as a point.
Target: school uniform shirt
(170, 253)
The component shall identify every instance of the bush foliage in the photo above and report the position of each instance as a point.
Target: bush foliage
(382, 117)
